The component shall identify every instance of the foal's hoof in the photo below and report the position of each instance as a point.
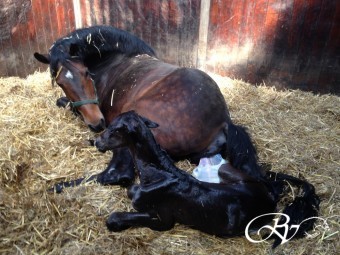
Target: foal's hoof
(115, 223)
(63, 102)
(123, 180)
(132, 190)
(57, 188)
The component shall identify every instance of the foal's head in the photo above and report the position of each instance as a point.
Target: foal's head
(75, 80)
(123, 130)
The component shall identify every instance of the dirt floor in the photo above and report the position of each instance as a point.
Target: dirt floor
(296, 132)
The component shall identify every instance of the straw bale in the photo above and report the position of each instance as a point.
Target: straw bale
(295, 132)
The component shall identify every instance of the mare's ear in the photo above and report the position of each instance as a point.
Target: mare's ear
(149, 123)
(43, 58)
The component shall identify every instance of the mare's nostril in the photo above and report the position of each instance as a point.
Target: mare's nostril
(102, 123)
(99, 127)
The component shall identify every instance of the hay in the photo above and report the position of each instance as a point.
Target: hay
(296, 132)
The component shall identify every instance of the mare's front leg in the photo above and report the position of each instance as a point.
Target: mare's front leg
(119, 221)
(64, 102)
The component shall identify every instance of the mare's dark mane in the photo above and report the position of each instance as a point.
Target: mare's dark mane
(95, 44)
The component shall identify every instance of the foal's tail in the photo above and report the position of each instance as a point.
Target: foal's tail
(302, 208)
(241, 152)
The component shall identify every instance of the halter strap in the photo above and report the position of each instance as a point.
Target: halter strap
(81, 102)
(86, 101)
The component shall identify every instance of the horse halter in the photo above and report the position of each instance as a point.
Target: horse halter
(80, 102)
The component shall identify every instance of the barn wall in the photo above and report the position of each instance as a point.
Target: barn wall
(170, 26)
(27, 26)
(286, 43)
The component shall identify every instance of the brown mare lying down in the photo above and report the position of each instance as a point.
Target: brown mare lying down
(167, 195)
(105, 71)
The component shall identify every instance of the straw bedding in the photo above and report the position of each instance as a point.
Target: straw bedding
(296, 132)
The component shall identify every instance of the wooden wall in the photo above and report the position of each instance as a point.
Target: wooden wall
(27, 26)
(286, 43)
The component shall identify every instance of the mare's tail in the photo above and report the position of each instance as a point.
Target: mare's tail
(242, 155)
(241, 152)
(302, 208)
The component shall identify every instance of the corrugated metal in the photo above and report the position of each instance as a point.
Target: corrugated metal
(286, 43)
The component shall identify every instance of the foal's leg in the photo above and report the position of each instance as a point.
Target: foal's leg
(120, 171)
(119, 221)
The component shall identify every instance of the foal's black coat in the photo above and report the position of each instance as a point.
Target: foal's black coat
(167, 195)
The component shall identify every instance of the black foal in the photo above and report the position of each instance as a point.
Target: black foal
(167, 195)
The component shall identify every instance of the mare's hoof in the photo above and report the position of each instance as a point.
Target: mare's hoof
(63, 102)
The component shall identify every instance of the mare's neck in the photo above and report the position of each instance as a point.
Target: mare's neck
(104, 71)
(110, 69)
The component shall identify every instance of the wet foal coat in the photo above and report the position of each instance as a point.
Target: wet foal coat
(167, 195)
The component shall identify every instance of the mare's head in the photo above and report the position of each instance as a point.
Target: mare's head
(75, 80)
(123, 130)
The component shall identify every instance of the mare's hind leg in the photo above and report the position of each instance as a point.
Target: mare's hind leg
(120, 170)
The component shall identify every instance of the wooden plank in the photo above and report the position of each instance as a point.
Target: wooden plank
(282, 63)
(60, 14)
(70, 24)
(40, 37)
(3, 67)
(52, 15)
(203, 34)
(10, 54)
(328, 81)
(77, 14)
(105, 7)
(18, 38)
(255, 69)
(304, 64)
(97, 13)
(219, 38)
(83, 13)
(46, 24)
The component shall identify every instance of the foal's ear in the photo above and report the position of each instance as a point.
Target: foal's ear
(43, 58)
(149, 123)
